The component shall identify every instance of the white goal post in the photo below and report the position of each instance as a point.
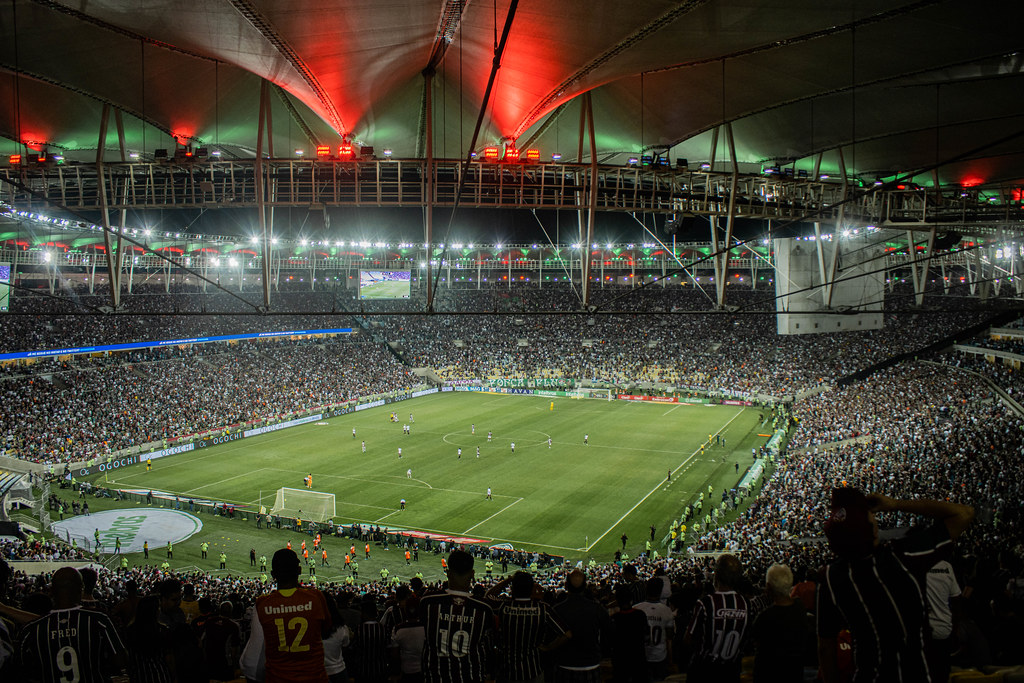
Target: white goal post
(304, 504)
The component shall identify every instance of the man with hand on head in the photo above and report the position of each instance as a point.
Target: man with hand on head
(878, 590)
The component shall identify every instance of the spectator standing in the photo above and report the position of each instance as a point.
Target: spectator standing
(458, 627)
(780, 632)
(335, 643)
(629, 659)
(579, 660)
(660, 631)
(370, 642)
(941, 589)
(301, 614)
(184, 645)
(70, 642)
(149, 656)
(221, 641)
(719, 626)
(526, 627)
(407, 643)
(878, 590)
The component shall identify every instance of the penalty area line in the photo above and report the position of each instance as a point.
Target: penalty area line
(492, 516)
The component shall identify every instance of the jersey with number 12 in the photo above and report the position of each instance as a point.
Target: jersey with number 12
(293, 622)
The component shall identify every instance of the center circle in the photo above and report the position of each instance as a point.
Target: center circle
(480, 439)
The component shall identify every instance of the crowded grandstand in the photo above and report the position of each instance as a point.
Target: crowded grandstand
(697, 357)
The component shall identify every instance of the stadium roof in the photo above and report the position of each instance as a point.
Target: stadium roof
(899, 86)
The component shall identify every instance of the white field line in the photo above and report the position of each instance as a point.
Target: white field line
(221, 481)
(492, 516)
(220, 451)
(657, 486)
(446, 532)
(670, 410)
(381, 519)
(401, 481)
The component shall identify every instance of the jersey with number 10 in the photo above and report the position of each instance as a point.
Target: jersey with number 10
(458, 627)
(719, 629)
(293, 622)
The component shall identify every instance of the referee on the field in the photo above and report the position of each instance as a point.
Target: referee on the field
(71, 643)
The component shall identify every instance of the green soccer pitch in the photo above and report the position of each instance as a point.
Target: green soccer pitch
(386, 289)
(570, 499)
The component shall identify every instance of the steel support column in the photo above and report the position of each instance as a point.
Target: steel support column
(428, 198)
(578, 178)
(592, 204)
(113, 247)
(837, 232)
(920, 277)
(261, 208)
(722, 271)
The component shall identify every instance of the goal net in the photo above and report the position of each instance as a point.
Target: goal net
(304, 504)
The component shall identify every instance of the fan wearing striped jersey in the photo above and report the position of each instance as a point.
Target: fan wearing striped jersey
(459, 628)
(720, 625)
(877, 590)
(71, 643)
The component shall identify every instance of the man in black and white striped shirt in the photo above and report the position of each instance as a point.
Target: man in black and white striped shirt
(526, 626)
(720, 626)
(876, 590)
(71, 643)
(458, 628)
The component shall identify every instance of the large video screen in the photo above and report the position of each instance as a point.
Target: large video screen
(384, 284)
(5, 290)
